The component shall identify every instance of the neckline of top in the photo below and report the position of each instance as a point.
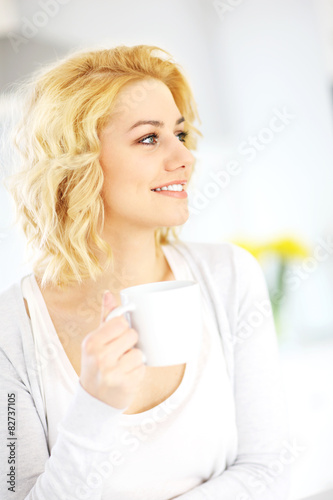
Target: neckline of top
(171, 255)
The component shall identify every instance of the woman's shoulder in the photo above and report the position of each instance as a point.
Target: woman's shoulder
(224, 253)
(225, 263)
(9, 303)
(13, 319)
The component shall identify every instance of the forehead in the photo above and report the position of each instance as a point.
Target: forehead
(143, 100)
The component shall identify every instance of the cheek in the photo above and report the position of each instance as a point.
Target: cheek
(127, 170)
(114, 169)
(123, 179)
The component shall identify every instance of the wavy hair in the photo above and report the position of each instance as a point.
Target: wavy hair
(57, 191)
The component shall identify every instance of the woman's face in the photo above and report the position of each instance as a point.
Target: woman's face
(137, 158)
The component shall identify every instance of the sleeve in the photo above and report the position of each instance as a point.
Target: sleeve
(262, 466)
(84, 441)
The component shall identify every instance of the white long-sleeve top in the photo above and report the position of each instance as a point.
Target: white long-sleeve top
(156, 448)
(222, 435)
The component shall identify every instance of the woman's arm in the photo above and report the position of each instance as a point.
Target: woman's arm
(84, 439)
(265, 452)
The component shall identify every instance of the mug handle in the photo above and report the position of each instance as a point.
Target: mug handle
(120, 310)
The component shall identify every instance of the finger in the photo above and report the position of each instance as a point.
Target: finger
(108, 304)
(131, 359)
(105, 334)
(114, 350)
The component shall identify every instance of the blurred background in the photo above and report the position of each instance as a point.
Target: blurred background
(262, 75)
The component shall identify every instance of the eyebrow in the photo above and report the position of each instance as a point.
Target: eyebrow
(154, 122)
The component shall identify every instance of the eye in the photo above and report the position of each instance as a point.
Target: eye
(151, 136)
(181, 136)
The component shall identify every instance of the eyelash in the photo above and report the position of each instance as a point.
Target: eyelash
(156, 136)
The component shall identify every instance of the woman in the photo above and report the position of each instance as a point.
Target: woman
(102, 131)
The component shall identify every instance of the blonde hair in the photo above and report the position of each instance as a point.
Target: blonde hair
(57, 191)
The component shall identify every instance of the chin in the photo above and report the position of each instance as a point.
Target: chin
(176, 217)
(177, 221)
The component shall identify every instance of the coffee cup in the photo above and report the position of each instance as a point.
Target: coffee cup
(168, 318)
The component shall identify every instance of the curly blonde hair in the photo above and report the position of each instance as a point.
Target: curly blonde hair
(57, 191)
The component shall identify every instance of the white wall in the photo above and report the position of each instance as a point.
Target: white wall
(268, 56)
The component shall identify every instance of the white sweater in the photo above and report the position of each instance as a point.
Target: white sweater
(220, 435)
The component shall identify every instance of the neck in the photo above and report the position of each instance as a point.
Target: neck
(135, 261)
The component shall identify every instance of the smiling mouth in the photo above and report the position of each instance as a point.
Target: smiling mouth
(172, 187)
(175, 186)
(171, 191)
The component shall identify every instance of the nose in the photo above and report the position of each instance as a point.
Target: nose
(178, 156)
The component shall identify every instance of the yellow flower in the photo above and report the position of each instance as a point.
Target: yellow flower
(287, 248)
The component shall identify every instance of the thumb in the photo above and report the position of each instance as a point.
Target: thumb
(109, 303)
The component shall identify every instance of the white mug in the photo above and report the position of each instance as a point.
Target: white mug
(168, 318)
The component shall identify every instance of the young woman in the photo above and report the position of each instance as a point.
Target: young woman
(82, 416)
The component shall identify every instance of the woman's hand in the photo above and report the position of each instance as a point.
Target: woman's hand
(111, 370)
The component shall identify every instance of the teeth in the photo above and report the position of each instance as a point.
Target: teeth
(172, 187)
